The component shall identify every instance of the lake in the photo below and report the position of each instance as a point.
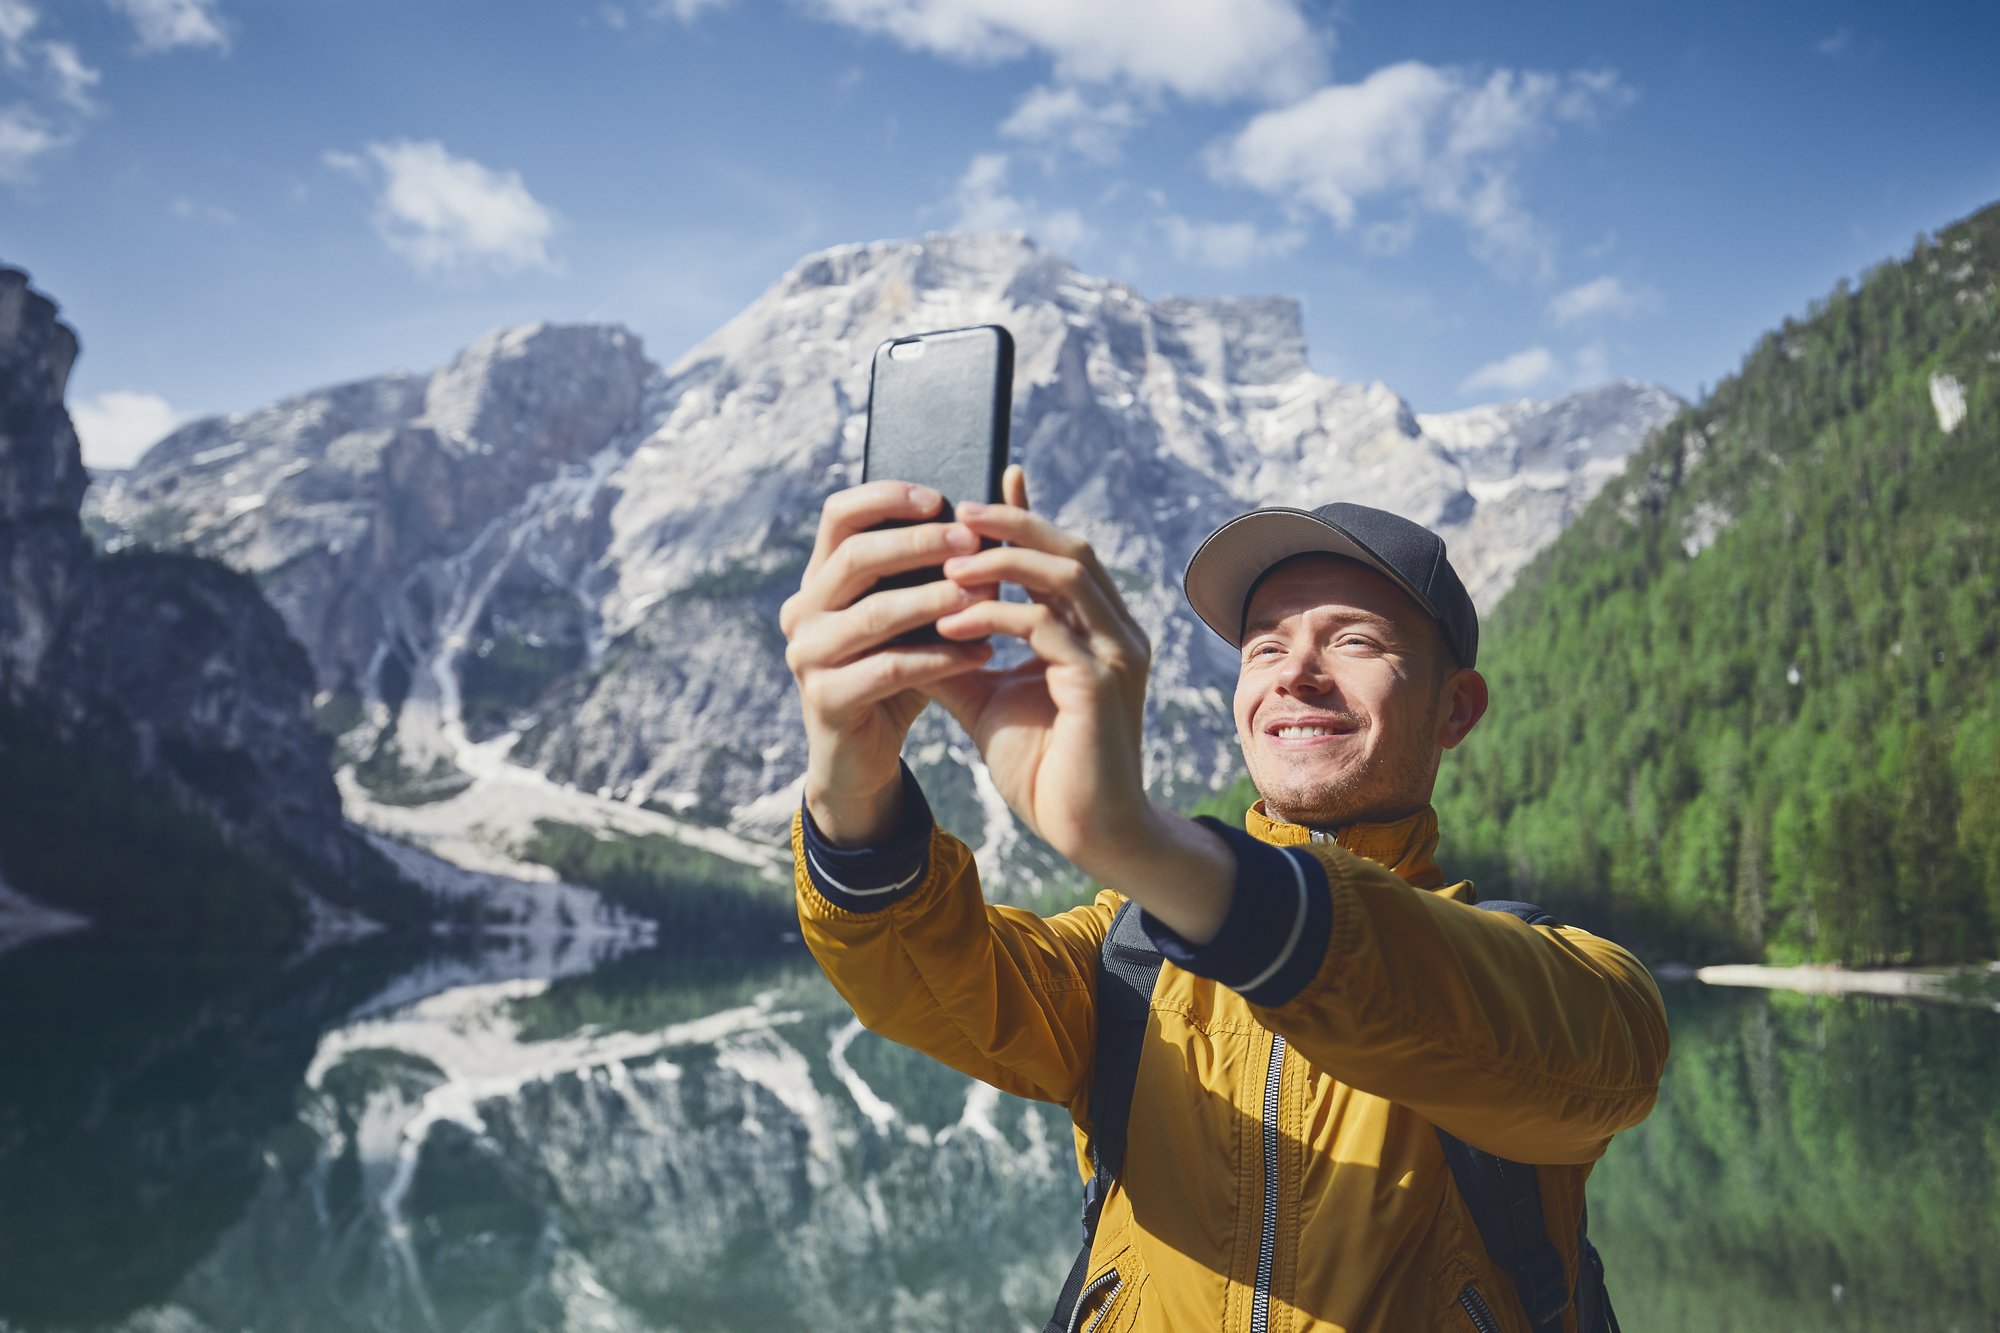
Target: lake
(511, 1137)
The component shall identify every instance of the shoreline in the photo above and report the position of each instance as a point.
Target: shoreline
(1976, 985)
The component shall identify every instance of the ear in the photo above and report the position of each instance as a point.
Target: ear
(1467, 704)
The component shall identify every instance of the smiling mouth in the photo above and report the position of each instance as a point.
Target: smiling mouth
(1307, 731)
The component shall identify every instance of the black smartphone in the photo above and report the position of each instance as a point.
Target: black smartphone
(938, 412)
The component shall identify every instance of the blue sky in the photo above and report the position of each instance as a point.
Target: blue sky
(238, 199)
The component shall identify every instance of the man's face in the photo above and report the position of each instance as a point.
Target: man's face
(1347, 695)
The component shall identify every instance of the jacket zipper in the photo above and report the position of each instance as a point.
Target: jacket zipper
(1110, 1280)
(1477, 1310)
(1267, 1240)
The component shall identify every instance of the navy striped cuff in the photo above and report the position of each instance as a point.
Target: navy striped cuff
(869, 879)
(1275, 937)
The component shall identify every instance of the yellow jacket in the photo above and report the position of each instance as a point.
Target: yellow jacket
(1411, 1009)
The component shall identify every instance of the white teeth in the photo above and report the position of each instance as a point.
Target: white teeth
(1302, 733)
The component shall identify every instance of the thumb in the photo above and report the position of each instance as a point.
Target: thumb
(1014, 486)
(964, 697)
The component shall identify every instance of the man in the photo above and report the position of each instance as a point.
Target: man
(1329, 1002)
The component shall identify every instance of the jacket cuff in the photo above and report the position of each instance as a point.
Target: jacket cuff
(873, 878)
(1274, 939)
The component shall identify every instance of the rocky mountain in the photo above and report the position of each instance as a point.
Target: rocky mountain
(144, 678)
(45, 562)
(551, 569)
(161, 771)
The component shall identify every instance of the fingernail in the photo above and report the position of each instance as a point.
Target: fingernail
(961, 539)
(970, 509)
(924, 498)
(953, 566)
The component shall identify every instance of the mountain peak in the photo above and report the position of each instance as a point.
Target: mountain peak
(610, 626)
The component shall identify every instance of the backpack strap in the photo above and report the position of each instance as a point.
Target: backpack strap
(1127, 967)
(1505, 1200)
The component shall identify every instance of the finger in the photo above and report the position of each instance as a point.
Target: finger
(860, 507)
(1035, 624)
(1037, 571)
(1022, 528)
(841, 692)
(837, 637)
(1014, 486)
(965, 694)
(866, 558)
(1046, 577)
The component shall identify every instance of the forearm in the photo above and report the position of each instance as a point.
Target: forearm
(1181, 873)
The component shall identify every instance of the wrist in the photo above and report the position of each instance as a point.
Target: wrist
(850, 813)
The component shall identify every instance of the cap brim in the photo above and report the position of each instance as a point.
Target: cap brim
(1237, 554)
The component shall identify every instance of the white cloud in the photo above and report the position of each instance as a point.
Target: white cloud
(1593, 365)
(116, 428)
(1836, 44)
(1197, 48)
(1600, 298)
(1513, 374)
(25, 138)
(1427, 139)
(62, 87)
(17, 19)
(1228, 244)
(163, 25)
(451, 214)
(74, 79)
(1064, 116)
(187, 210)
(685, 11)
(985, 204)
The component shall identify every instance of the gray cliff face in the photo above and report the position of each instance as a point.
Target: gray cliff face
(172, 669)
(598, 602)
(212, 695)
(45, 562)
(347, 503)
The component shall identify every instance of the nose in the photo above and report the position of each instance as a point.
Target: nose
(1301, 676)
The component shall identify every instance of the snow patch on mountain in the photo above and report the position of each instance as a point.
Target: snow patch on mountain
(547, 577)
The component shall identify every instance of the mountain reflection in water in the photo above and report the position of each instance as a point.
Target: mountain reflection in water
(511, 1139)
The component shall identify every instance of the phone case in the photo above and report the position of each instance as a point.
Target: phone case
(938, 415)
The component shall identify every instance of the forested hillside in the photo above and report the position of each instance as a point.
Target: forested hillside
(1749, 702)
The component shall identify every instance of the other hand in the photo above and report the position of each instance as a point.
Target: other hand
(1060, 734)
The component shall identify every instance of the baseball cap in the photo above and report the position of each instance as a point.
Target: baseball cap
(1227, 566)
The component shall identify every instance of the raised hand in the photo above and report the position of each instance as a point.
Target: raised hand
(1060, 733)
(858, 692)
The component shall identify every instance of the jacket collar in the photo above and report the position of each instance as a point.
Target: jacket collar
(1407, 846)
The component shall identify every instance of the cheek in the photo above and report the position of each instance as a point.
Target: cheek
(1241, 705)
